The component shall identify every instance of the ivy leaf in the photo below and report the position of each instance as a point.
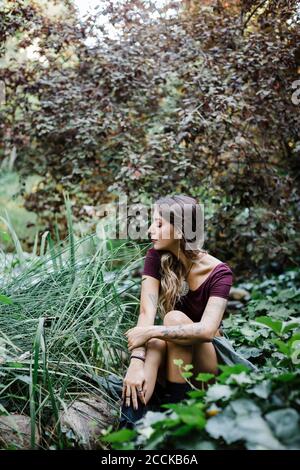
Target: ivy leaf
(263, 389)
(285, 377)
(274, 325)
(123, 435)
(204, 377)
(228, 370)
(242, 420)
(218, 392)
(285, 423)
(248, 352)
(178, 362)
(290, 325)
(186, 375)
(191, 415)
(282, 346)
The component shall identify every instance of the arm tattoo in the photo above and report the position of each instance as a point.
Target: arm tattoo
(184, 334)
(175, 332)
(153, 299)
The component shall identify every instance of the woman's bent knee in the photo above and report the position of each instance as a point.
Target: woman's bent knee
(175, 317)
(156, 343)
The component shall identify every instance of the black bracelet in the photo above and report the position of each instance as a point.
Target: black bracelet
(138, 357)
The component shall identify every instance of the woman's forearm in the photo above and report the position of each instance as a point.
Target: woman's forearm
(144, 320)
(182, 334)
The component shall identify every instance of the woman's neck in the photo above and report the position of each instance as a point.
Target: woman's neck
(184, 259)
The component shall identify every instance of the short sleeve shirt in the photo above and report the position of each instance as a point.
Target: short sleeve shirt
(218, 284)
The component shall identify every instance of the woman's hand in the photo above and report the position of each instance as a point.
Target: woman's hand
(134, 385)
(137, 336)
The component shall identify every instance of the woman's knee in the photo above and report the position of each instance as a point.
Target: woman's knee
(157, 344)
(176, 317)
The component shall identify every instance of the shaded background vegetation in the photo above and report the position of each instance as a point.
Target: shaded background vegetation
(196, 98)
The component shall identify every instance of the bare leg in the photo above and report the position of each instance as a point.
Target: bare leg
(177, 351)
(201, 354)
(154, 364)
(204, 360)
(160, 355)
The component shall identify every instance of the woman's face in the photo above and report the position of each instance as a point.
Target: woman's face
(162, 232)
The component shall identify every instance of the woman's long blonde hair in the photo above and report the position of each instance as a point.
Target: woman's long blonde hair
(172, 269)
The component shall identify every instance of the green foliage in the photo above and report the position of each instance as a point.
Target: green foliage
(62, 318)
(5, 300)
(197, 102)
(25, 223)
(242, 409)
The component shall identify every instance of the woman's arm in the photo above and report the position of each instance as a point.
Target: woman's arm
(148, 307)
(203, 331)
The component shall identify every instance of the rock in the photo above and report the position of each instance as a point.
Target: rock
(85, 419)
(235, 304)
(15, 432)
(239, 294)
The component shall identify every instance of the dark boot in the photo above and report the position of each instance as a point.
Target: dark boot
(176, 392)
(129, 415)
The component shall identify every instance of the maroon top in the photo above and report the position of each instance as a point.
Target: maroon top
(218, 283)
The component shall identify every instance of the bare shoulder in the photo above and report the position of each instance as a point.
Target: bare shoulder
(210, 261)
